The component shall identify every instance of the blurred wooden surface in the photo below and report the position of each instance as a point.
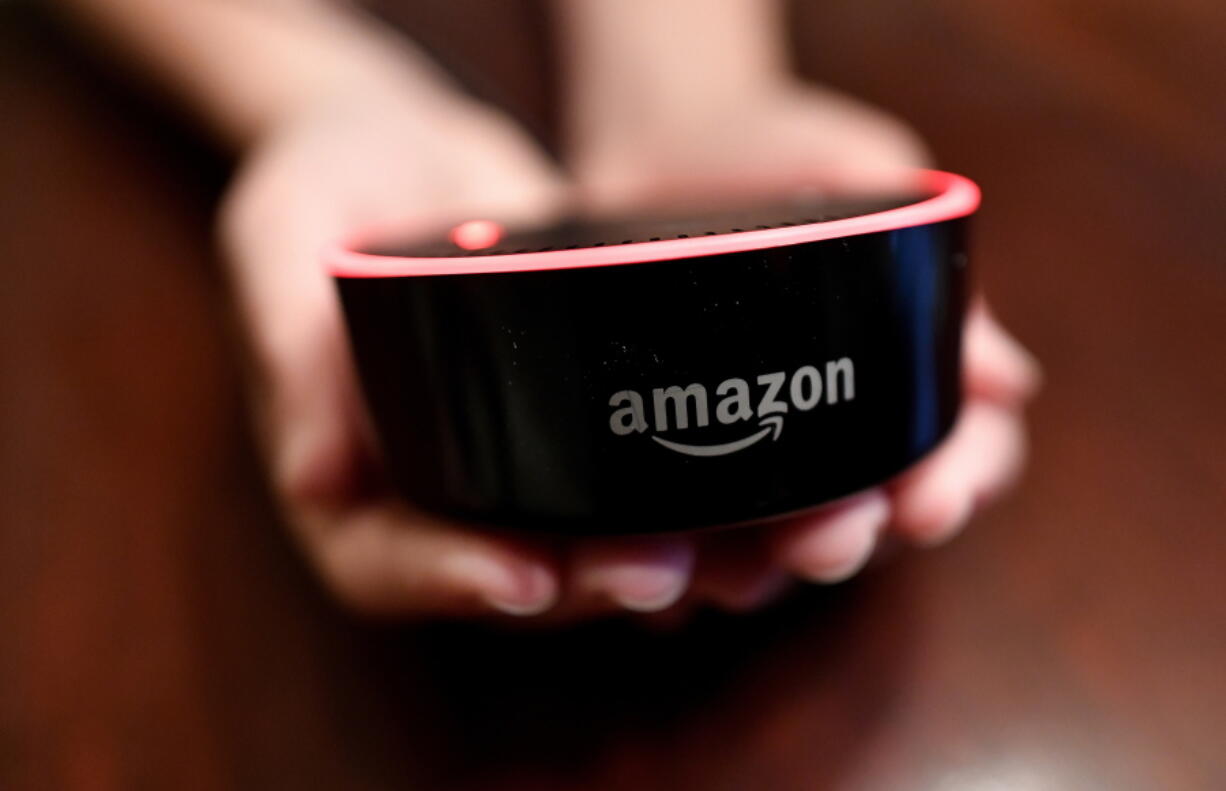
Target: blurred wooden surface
(157, 630)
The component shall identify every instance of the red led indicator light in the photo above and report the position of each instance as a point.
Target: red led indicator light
(476, 234)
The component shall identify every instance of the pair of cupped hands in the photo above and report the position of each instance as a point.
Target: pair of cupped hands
(383, 155)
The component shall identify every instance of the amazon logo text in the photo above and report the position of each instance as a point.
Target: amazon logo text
(675, 409)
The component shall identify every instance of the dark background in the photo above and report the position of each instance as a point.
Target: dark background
(157, 630)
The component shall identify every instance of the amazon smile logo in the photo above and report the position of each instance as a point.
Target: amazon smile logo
(776, 394)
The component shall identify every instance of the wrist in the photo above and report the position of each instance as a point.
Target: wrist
(639, 69)
(654, 128)
(330, 62)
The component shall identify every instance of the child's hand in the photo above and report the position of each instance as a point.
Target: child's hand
(785, 136)
(381, 155)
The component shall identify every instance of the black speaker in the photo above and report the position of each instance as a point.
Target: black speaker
(665, 372)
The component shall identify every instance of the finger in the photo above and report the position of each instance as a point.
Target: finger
(836, 542)
(307, 420)
(386, 559)
(1004, 430)
(736, 570)
(996, 366)
(642, 574)
(980, 458)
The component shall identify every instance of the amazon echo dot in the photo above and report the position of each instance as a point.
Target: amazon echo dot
(663, 372)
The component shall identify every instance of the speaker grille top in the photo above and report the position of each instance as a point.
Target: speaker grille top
(480, 245)
(574, 233)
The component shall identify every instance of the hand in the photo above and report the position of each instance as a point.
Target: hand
(789, 135)
(393, 153)
(776, 136)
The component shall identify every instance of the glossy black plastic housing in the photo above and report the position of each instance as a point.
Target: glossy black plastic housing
(665, 395)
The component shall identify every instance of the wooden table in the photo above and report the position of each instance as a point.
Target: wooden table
(158, 631)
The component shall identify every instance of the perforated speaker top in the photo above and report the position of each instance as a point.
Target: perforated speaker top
(481, 246)
(483, 238)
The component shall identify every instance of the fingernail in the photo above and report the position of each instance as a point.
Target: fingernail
(950, 526)
(647, 588)
(843, 542)
(520, 589)
(644, 574)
